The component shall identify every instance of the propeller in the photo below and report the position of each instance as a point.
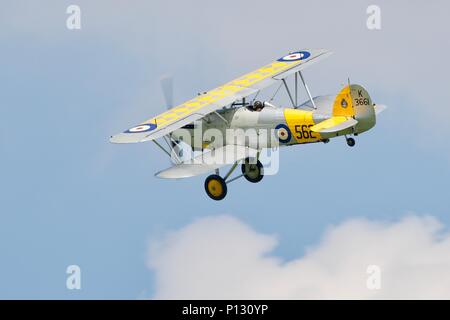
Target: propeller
(167, 88)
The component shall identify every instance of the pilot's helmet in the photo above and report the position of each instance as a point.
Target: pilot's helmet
(257, 104)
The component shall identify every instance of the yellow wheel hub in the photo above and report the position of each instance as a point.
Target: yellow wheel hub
(215, 188)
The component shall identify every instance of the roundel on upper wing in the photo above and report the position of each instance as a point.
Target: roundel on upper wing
(295, 56)
(142, 128)
(283, 133)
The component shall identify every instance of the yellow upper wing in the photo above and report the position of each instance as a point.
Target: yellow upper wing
(217, 98)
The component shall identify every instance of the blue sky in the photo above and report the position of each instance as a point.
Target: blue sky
(70, 197)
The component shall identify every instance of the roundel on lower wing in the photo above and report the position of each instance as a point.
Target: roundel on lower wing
(142, 128)
(283, 133)
(295, 56)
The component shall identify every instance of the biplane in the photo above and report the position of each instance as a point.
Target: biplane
(228, 108)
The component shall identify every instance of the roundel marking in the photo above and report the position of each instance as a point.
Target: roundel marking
(283, 133)
(295, 56)
(142, 128)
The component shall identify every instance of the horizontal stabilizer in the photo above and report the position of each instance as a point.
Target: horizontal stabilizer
(379, 108)
(334, 124)
(207, 162)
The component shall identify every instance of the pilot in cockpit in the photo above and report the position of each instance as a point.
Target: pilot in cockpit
(257, 106)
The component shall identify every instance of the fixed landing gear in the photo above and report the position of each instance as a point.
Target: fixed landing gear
(350, 142)
(216, 186)
(253, 172)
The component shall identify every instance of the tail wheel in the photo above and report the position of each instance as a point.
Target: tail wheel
(215, 187)
(253, 172)
(350, 142)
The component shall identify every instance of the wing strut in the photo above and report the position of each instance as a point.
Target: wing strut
(221, 117)
(162, 148)
(172, 145)
(307, 90)
(289, 92)
(172, 153)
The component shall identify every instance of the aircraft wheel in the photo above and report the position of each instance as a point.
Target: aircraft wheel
(215, 187)
(253, 172)
(350, 142)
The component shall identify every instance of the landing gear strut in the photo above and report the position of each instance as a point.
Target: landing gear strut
(216, 186)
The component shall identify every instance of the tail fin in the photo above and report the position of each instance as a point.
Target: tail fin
(343, 103)
(353, 101)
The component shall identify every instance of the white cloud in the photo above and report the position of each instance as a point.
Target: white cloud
(221, 258)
